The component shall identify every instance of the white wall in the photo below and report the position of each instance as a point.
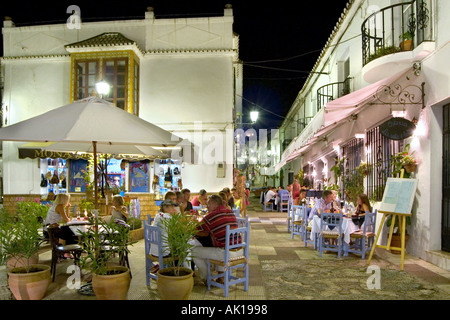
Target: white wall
(183, 89)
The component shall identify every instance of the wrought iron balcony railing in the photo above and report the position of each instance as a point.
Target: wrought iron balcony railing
(331, 92)
(396, 28)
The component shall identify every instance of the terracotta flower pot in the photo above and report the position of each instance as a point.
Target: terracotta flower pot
(406, 45)
(114, 285)
(396, 242)
(17, 262)
(171, 287)
(31, 285)
(410, 167)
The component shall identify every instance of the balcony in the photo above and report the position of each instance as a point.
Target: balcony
(402, 31)
(331, 92)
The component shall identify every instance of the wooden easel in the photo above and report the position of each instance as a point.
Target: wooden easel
(402, 227)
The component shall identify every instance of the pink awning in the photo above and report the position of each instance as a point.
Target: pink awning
(343, 107)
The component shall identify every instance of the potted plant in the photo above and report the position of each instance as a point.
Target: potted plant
(353, 186)
(404, 160)
(176, 282)
(20, 242)
(136, 229)
(406, 41)
(396, 235)
(102, 242)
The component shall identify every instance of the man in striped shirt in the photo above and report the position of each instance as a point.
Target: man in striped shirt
(214, 224)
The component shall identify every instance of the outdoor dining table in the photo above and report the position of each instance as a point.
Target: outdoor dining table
(348, 227)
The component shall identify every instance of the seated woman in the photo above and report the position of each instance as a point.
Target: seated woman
(172, 196)
(118, 211)
(363, 205)
(201, 199)
(58, 212)
(225, 199)
(167, 209)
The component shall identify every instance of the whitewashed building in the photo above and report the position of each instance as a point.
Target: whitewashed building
(365, 76)
(182, 74)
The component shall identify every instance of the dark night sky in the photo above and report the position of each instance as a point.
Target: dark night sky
(280, 30)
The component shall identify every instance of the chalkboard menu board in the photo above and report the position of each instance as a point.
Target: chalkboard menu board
(398, 195)
(397, 128)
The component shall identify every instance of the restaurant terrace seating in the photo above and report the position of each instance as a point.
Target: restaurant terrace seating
(363, 239)
(306, 230)
(152, 235)
(58, 250)
(284, 203)
(235, 240)
(330, 237)
(267, 206)
(297, 218)
(237, 212)
(242, 222)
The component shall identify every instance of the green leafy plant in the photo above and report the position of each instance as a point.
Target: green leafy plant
(19, 234)
(353, 186)
(101, 236)
(134, 223)
(179, 230)
(338, 168)
(396, 224)
(399, 160)
(87, 205)
(406, 36)
(300, 176)
(383, 52)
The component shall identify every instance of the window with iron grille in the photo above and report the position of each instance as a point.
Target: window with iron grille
(380, 151)
(353, 153)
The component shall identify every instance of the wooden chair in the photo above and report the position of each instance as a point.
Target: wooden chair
(329, 236)
(242, 222)
(237, 212)
(297, 219)
(306, 230)
(267, 206)
(58, 250)
(284, 203)
(364, 239)
(235, 240)
(153, 236)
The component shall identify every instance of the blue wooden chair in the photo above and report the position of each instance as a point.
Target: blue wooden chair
(289, 214)
(242, 222)
(330, 233)
(297, 218)
(363, 239)
(235, 240)
(237, 212)
(306, 230)
(152, 235)
(267, 206)
(150, 219)
(284, 203)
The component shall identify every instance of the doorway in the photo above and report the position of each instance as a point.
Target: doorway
(446, 180)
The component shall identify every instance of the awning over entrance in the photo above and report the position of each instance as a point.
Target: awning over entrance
(43, 150)
(389, 91)
(351, 104)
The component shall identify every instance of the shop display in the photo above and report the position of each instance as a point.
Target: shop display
(77, 168)
(53, 172)
(167, 177)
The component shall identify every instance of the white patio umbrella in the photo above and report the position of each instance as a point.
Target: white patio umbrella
(93, 124)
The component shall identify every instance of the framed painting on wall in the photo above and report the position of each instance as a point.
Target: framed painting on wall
(139, 176)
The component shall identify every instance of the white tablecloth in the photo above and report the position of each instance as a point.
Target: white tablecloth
(347, 228)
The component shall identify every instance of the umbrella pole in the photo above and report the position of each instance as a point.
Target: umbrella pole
(94, 143)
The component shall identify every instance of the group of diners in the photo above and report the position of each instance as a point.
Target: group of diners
(210, 239)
